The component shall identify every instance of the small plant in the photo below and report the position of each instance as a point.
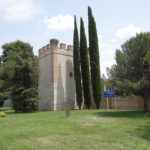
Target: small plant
(2, 114)
(67, 109)
(67, 112)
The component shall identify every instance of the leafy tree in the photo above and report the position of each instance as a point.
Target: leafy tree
(19, 69)
(35, 70)
(146, 81)
(4, 85)
(131, 74)
(23, 49)
(94, 58)
(77, 66)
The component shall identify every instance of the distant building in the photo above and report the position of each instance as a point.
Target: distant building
(56, 77)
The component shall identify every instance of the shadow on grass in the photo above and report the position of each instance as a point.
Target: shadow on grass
(123, 114)
(146, 132)
(10, 111)
(142, 131)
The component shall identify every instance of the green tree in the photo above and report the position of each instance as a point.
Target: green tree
(3, 95)
(146, 80)
(25, 50)
(131, 74)
(85, 66)
(94, 58)
(18, 63)
(77, 66)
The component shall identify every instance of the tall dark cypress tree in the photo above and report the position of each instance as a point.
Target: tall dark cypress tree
(77, 66)
(94, 58)
(85, 66)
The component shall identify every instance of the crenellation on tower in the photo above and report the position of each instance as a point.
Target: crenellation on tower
(63, 46)
(54, 43)
(70, 47)
(55, 46)
(48, 46)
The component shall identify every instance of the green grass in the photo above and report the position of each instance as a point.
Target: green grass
(83, 130)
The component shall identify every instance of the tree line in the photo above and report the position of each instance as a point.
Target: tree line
(87, 64)
(131, 73)
(129, 76)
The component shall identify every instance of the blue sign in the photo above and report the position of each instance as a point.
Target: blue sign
(109, 94)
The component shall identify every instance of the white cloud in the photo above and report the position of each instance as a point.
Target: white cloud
(107, 53)
(127, 32)
(109, 47)
(17, 10)
(60, 22)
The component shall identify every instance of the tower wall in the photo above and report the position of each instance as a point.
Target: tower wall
(56, 81)
(45, 79)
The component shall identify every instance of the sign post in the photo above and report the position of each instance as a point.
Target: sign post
(108, 94)
(107, 103)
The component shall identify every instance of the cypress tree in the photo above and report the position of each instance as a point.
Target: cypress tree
(94, 58)
(77, 66)
(85, 66)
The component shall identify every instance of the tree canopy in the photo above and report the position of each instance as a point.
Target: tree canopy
(131, 73)
(18, 74)
(77, 66)
(94, 58)
(85, 65)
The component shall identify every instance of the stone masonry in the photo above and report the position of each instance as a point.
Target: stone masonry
(56, 81)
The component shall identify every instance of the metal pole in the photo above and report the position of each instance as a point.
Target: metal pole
(107, 103)
(115, 102)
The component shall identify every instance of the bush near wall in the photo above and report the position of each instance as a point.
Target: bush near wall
(2, 114)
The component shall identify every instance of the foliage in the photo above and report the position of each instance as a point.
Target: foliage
(94, 58)
(25, 100)
(84, 54)
(3, 97)
(131, 74)
(4, 94)
(77, 66)
(22, 49)
(2, 114)
(19, 73)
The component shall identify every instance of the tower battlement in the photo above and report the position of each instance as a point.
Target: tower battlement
(54, 45)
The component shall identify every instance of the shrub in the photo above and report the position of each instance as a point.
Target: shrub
(25, 100)
(2, 114)
(1, 103)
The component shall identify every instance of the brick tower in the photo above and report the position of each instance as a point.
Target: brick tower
(56, 81)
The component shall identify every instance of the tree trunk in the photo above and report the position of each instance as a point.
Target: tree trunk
(147, 99)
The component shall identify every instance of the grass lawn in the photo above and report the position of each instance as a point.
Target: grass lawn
(85, 130)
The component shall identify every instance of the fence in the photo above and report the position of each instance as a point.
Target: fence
(127, 103)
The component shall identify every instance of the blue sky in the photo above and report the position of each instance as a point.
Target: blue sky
(36, 21)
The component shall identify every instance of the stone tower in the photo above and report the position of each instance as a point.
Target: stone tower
(56, 81)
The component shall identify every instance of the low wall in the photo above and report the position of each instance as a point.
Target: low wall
(127, 103)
